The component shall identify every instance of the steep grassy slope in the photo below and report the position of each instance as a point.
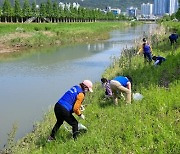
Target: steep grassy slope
(148, 126)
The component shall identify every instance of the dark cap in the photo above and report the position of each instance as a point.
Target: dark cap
(144, 40)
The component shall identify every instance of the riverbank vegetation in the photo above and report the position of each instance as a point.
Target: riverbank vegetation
(148, 126)
(22, 37)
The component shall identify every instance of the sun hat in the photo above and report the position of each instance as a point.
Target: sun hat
(89, 84)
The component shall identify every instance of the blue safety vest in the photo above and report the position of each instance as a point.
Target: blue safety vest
(69, 98)
(146, 49)
(122, 80)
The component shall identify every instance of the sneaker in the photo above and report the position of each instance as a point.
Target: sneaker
(50, 138)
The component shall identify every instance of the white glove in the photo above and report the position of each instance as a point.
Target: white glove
(82, 116)
(82, 108)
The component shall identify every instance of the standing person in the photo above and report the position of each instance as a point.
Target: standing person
(146, 50)
(173, 38)
(158, 60)
(120, 84)
(70, 102)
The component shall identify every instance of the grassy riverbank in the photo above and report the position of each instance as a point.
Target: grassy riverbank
(22, 37)
(148, 126)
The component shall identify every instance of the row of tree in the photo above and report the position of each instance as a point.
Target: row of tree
(51, 12)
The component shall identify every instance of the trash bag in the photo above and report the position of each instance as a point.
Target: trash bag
(137, 96)
(81, 127)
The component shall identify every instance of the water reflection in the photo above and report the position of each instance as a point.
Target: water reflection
(95, 47)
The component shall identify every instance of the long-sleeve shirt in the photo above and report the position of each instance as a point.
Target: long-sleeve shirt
(72, 100)
(108, 91)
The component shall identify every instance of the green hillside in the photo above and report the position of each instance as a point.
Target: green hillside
(148, 126)
(98, 3)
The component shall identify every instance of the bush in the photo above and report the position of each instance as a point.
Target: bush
(36, 28)
(47, 28)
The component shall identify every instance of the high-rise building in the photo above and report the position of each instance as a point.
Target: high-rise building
(165, 6)
(67, 5)
(146, 10)
(160, 7)
(131, 11)
(173, 6)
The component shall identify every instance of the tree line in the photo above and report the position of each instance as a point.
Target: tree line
(51, 12)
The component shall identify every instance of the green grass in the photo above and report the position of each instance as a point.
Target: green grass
(62, 29)
(9, 28)
(30, 36)
(148, 126)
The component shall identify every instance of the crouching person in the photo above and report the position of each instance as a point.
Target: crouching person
(158, 60)
(120, 84)
(70, 103)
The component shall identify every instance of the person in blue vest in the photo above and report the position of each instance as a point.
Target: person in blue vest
(158, 60)
(117, 85)
(70, 103)
(146, 50)
(173, 38)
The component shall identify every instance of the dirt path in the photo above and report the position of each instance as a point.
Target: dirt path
(6, 47)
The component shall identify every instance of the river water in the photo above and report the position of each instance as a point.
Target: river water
(30, 84)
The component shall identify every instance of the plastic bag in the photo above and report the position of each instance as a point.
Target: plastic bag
(137, 96)
(81, 126)
(69, 128)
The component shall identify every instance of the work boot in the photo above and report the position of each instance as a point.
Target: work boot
(75, 135)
